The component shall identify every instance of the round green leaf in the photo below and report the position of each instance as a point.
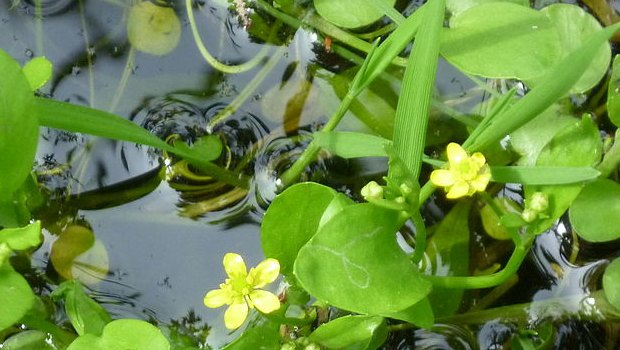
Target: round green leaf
(350, 13)
(285, 230)
(611, 283)
(38, 71)
(354, 262)
(350, 331)
(153, 29)
(22, 238)
(16, 297)
(123, 334)
(595, 213)
(574, 27)
(28, 340)
(501, 40)
(19, 130)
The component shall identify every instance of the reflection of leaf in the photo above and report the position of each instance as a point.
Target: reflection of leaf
(354, 258)
(595, 213)
(350, 13)
(153, 29)
(76, 254)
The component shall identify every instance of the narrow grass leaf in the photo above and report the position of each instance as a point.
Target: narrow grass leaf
(414, 103)
(543, 175)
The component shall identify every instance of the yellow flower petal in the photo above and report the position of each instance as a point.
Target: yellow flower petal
(234, 265)
(480, 182)
(458, 190)
(265, 272)
(442, 178)
(235, 315)
(217, 298)
(478, 159)
(264, 301)
(456, 154)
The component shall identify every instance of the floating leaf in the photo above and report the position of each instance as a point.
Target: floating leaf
(351, 332)
(19, 130)
(611, 283)
(354, 257)
(351, 13)
(501, 40)
(448, 249)
(38, 71)
(123, 334)
(153, 29)
(577, 145)
(595, 213)
(22, 238)
(285, 231)
(613, 93)
(16, 297)
(85, 314)
(76, 254)
(574, 27)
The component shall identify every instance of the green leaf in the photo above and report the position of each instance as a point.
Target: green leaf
(574, 27)
(16, 297)
(595, 213)
(448, 249)
(284, 231)
(611, 283)
(352, 260)
(351, 13)
(530, 139)
(613, 93)
(123, 334)
(153, 29)
(501, 40)
(576, 145)
(543, 175)
(209, 147)
(28, 340)
(351, 144)
(85, 314)
(455, 7)
(351, 332)
(19, 130)
(493, 225)
(38, 71)
(263, 337)
(22, 238)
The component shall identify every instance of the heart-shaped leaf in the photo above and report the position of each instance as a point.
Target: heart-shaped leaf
(595, 213)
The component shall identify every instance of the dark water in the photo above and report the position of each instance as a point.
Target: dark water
(161, 262)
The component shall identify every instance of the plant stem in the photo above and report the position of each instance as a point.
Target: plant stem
(612, 158)
(487, 281)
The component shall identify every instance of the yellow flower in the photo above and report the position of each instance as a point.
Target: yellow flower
(240, 290)
(465, 175)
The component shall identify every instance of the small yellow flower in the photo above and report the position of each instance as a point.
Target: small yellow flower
(240, 290)
(465, 175)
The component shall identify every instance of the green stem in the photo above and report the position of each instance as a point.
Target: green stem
(212, 60)
(487, 281)
(420, 236)
(122, 84)
(293, 173)
(426, 191)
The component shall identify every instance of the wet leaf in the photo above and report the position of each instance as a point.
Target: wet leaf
(19, 130)
(501, 40)
(38, 71)
(28, 340)
(284, 231)
(575, 26)
(16, 296)
(354, 257)
(595, 213)
(613, 93)
(22, 238)
(576, 145)
(77, 255)
(448, 248)
(611, 283)
(123, 334)
(153, 29)
(351, 332)
(85, 314)
(351, 13)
